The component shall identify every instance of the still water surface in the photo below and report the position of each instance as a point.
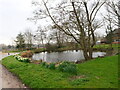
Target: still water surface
(63, 56)
(3, 55)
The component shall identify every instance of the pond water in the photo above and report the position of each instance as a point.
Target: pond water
(2, 55)
(63, 56)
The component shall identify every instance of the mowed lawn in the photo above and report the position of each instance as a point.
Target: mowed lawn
(97, 73)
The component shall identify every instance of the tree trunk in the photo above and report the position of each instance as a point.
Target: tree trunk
(85, 53)
(90, 53)
(111, 45)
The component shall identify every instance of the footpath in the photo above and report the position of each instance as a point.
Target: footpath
(7, 79)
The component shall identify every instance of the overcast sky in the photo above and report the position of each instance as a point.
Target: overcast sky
(13, 19)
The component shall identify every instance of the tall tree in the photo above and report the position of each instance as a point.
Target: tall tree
(112, 19)
(20, 41)
(76, 19)
(58, 37)
(28, 38)
(113, 8)
(40, 36)
(109, 29)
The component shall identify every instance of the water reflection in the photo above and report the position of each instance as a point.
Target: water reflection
(63, 56)
(2, 55)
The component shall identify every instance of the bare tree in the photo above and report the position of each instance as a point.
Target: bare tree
(112, 19)
(58, 37)
(75, 19)
(40, 36)
(109, 28)
(28, 38)
(114, 9)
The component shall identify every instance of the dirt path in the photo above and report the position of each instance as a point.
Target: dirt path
(7, 79)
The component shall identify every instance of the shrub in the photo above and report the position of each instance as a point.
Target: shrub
(21, 59)
(39, 50)
(46, 65)
(51, 66)
(63, 65)
(27, 54)
(50, 47)
(71, 68)
(68, 67)
(43, 63)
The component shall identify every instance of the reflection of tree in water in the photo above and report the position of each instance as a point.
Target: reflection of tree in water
(66, 55)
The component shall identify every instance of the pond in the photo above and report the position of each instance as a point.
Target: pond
(3, 55)
(71, 55)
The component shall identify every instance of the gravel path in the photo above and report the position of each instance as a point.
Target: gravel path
(7, 79)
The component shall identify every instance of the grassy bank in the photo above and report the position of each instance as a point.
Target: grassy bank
(100, 47)
(97, 73)
(13, 51)
(115, 46)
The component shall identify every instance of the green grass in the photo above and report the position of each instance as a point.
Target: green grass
(38, 50)
(100, 46)
(14, 51)
(98, 73)
(115, 46)
(101, 72)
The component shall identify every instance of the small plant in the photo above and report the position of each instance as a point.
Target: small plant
(46, 65)
(43, 63)
(51, 66)
(63, 65)
(68, 67)
(71, 68)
